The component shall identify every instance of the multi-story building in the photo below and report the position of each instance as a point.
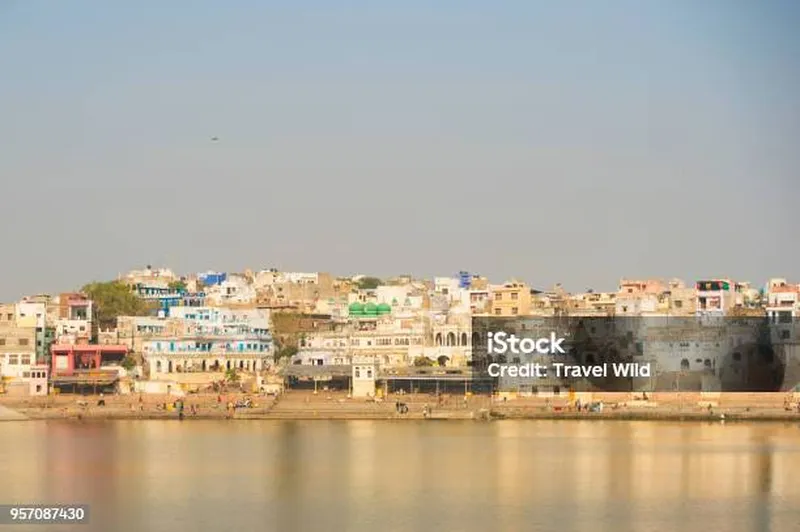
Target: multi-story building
(17, 344)
(87, 366)
(208, 339)
(783, 301)
(234, 290)
(371, 331)
(33, 312)
(715, 297)
(511, 299)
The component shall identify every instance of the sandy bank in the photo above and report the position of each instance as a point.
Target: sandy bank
(300, 405)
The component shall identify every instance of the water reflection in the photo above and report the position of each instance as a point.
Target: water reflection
(365, 475)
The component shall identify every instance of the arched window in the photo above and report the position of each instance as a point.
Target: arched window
(451, 339)
(464, 339)
(438, 338)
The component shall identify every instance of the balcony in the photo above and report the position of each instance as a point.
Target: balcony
(89, 376)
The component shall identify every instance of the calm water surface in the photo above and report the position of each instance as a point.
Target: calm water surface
(405, 476)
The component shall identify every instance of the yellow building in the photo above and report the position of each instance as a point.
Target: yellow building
(510, 299)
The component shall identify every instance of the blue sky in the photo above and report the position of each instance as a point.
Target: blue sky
(571, 142)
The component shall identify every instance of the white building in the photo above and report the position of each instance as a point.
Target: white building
(211, 339)
(365, 371)
(716, 296)
(235, 290)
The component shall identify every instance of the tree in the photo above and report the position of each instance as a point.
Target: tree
(423, 362)
(112, 299)
(177, 286)
(369, 283)
(128, 362)
(443, 360)
(286, 333)
(231, 376)
(287, 352)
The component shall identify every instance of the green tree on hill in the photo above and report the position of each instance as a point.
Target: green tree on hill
(112, 299)
(369, 283)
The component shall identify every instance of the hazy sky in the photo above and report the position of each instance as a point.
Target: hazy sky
(573, 141)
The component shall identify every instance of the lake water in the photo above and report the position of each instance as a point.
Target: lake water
(408, 476)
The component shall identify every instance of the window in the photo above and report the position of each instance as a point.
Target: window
(358, 373)
(498, 311)
(514, 296)
(2, 341)
(25, 360)
(369, 373)
(13, 360)
(23, 341)
(514, 310)
(498, 297)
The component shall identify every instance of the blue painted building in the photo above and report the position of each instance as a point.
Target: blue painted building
(167, 298)
(212, 278)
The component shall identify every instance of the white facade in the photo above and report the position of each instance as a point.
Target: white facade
(14, 365)
(365, 372)
(389, 339)
(32, 311)
(716, 301)
(783, 301)
(635, 305)
(298, 277)
(70, 331)
(211, 339)
(233, 290)
(447, 286)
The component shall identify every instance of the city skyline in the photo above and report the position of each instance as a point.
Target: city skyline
(549, 142)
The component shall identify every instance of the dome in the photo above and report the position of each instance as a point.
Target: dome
(356, 308)
(383, 308)
(370, 308)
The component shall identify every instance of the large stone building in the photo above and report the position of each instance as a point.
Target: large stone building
(208, 340)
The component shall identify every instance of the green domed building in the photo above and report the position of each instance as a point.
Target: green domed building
(384, 308)
(356, 309)
(371, 309)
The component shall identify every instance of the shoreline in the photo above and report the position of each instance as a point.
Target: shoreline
(444, 416)
(298, 405)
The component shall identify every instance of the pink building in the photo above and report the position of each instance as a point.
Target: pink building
(86, 365)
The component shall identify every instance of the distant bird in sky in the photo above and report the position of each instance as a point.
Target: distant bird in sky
(214, 139)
